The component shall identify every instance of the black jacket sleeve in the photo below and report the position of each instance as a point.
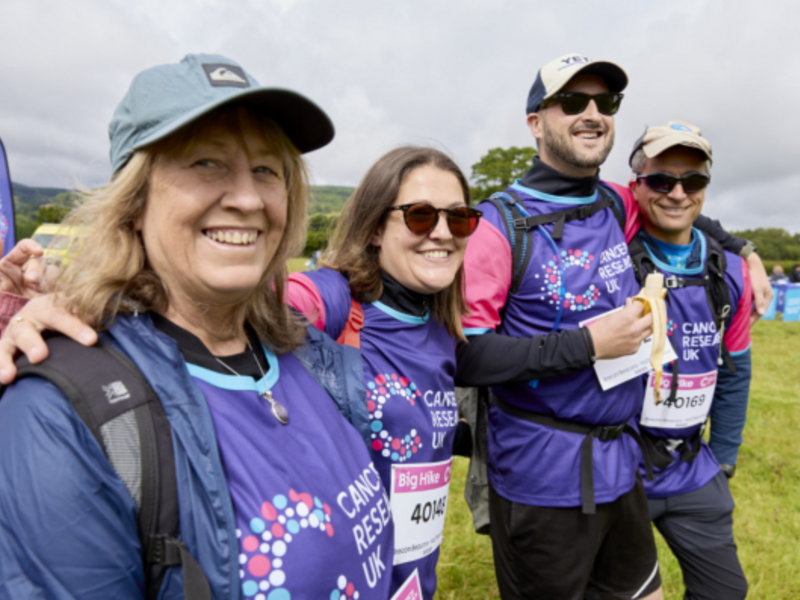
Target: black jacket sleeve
(493, 359)
(714, 229)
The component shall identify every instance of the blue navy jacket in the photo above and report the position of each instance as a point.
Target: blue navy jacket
(68, 525)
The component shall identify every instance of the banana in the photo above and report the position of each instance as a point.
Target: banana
(652, 297)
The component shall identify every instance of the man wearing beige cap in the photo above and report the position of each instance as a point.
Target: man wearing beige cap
(709, 298)
(548, 282)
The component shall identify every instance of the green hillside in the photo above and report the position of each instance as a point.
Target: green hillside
(28, 200)
(328, 198)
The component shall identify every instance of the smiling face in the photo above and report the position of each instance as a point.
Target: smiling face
(575, 145)
(423, 263)
(214, 217)
(669, 217)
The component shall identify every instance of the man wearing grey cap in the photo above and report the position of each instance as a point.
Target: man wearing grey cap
(709, 291)
(569, 515)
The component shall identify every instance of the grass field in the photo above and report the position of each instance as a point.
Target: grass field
(766, 489)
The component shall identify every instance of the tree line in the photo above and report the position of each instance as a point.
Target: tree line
(494, 172)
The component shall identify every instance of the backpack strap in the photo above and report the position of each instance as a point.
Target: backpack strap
(617, 206)
(351, 334)
(561, 217)
(521, 239)
(719, 297)
(126, 417)
(717, 294)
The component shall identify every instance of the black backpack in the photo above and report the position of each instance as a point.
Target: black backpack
(127, 419)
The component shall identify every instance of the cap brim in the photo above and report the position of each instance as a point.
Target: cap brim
(612, 74)
(303, 122)
(616, 79)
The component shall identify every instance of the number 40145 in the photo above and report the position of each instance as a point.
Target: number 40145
(429, 510)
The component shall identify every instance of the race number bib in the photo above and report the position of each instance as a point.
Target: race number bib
(690, 407)
(419, 502)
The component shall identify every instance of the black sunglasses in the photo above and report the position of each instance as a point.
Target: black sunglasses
(574, 103)
(663, 183)
(422, 218)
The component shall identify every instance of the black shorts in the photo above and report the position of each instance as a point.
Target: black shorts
(548, 553)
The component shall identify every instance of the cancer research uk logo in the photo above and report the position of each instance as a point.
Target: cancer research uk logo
(379, 391)
(553, 279)
(264, 547)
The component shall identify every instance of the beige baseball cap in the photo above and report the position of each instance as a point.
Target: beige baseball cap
(555, 75)
(675, 133)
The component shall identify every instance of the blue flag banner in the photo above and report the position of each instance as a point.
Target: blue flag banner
(791, 308)
(6, 204)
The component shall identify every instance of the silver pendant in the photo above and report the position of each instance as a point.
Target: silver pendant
(278, 410)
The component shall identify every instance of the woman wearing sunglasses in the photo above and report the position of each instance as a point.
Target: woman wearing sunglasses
(392, 286)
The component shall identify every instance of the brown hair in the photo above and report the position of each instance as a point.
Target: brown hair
(112, 268)
(351, 251)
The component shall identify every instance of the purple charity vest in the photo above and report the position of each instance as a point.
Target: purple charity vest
(583, 275)
(409, 371)
(694, 337)
(312, 517)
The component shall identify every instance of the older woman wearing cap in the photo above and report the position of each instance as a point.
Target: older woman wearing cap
(275, 493)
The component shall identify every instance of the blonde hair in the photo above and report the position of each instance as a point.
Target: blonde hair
(111, 269)
(351, 251)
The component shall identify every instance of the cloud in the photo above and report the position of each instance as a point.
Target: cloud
(454, 73)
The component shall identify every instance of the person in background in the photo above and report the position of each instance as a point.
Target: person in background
(186, 276)
(690, 501)
(778, 275)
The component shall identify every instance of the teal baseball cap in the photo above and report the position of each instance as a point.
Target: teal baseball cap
(163, 99)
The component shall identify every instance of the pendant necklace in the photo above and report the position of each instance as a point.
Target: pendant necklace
(278, 410)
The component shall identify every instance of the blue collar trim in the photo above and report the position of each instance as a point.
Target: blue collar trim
(396, 314)
(550, 197)
(696, 235)
(239, 383)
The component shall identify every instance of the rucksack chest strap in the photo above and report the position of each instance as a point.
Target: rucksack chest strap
(603, 433)
(561, 217)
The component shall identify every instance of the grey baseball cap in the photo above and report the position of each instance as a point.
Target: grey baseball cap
(163, 99)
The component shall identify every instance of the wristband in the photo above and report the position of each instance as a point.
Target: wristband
(748, 248)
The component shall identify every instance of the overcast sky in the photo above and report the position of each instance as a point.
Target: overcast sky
(453, 73)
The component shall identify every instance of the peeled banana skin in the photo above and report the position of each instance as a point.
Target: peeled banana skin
(652, 297)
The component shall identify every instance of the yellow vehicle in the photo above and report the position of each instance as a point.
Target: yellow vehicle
(59, 242)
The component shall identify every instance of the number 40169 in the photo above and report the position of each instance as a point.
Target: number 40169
(429, 510)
